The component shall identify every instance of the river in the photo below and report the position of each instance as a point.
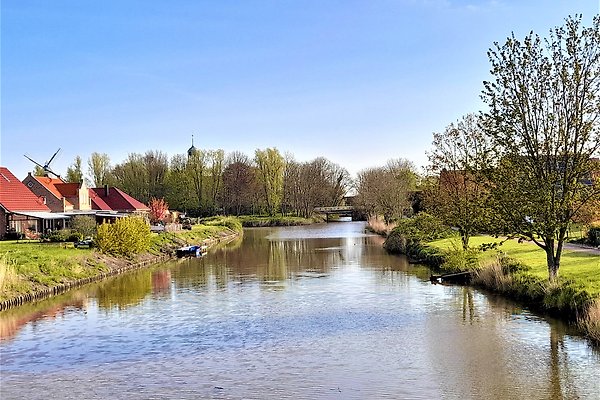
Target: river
(317, 312)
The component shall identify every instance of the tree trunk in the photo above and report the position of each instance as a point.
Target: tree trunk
(464, 237)
(552, 261)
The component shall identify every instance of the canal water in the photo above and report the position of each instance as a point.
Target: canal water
(317, 312)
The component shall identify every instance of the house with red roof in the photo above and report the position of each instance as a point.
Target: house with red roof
(112, 198)
(60, 196)
(23, 212)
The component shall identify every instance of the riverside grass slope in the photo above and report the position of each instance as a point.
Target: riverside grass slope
(581, 267)
(28, 267)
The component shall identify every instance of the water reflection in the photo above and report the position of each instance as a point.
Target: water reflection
(277, 316)
(13, 320)
(125, 291)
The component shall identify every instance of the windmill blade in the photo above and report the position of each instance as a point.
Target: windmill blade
(52, 158)
(52, 172)
(35, 162)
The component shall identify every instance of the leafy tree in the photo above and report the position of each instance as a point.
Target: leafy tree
(74, 171)
(159, 209)
(458, 158)
(131, 176)
(38, 171)
(196, 169)
(271, 168)
(179, 191)
(99, 169)
(544, 105)
(84, 225)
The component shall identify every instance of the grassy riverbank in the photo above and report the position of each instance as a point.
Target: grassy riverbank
(256, 221)
(31, 266)
(519, 271)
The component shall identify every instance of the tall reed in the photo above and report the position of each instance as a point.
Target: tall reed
(590, 322)
(8, 273)
(379, 226)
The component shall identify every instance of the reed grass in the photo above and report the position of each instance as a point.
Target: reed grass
(590, 322)
(379, 226)
(8, 274)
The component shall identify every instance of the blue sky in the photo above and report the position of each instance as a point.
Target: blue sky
(358, 82)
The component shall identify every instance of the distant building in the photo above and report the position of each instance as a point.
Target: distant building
(23, 212)
(192, 150)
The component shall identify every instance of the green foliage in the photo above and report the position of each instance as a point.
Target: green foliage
(74, 171)
(34, 265)
(254, 221)
(593, 236)
(459, 259)
(99, 168)
(126, 237)
(271, 169)
(84, 225)
(232, 223)
(543, 124)
(64, 235)
(422, 227)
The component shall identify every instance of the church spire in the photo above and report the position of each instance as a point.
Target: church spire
(192, 150)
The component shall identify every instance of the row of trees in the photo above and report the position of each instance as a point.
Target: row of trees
(206, 182)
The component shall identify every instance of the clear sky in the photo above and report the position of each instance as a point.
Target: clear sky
(358, 82)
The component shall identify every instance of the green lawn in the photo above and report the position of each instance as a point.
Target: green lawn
(28, 265)
(256, 221)
(581, 267)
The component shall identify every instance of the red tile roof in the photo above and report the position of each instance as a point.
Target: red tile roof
(14, 195)
(50, 184)
(58, 187)
(117, 200)
(97, 202)
(68, 189)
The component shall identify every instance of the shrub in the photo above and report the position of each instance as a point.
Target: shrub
(12, 235)
(84, 225)
(126, 237)
(230, 222)
(420, 228)
(593, 236)
(458, 259)
(63, 235)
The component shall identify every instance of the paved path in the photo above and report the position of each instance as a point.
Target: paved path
(585, 249)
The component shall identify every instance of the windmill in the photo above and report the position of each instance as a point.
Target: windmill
(46, 166)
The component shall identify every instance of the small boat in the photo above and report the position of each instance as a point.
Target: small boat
(192, 251)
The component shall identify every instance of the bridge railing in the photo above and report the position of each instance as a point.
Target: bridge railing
(333, 209)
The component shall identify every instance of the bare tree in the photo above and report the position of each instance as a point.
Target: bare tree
(387, 190)
(458, 159)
